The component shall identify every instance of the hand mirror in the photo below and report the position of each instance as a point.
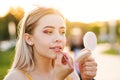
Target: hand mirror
(90, 43)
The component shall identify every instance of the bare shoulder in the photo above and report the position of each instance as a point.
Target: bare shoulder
(15, 75)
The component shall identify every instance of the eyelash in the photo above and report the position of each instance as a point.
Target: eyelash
(48, 31)
(62, 32)
(51, 32)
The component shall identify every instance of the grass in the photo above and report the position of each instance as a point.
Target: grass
(111, 51)
(6, 59)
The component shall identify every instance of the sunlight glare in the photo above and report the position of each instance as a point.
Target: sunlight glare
(3, 9)
(74, 10)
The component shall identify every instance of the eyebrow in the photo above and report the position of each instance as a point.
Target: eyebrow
(62, 27)
(48, 27)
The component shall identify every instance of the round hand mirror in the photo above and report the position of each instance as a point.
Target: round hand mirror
(90, 41)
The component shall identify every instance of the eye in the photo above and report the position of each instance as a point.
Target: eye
(62, 32)
(48, 31)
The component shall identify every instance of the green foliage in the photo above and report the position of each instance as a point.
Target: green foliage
(4, 33)
(6, 59)
(14, 15)
(3, 29)
(111, 51)
(118, 31)
(95, 29)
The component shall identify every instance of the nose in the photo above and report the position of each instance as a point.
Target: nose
(58, 38)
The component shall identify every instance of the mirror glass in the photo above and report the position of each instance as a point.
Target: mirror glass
(90, 41)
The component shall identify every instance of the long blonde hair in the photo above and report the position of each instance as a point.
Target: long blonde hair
(24, 54)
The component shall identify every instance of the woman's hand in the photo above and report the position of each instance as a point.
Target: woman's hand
(63, 66)
(88, 68)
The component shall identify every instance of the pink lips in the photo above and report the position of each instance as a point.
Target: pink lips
(56, 49)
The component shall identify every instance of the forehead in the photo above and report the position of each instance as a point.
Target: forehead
(51, 20)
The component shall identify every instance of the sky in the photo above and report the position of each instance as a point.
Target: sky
(74, 10)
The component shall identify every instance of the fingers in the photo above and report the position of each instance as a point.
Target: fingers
(68, 59)
(64, 65)
(64, 59)
(89, 74)
(91, 63)
(58, 60)
(89, 71)
(88, 68)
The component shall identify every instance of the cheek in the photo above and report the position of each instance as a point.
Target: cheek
(64, 41)
(42, 46)
(41, 41)
(44, 41)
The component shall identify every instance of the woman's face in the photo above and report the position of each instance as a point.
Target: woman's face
(49, 36)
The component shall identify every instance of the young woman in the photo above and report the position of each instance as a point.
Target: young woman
(39, 51)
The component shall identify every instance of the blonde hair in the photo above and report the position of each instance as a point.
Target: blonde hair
(24, 54)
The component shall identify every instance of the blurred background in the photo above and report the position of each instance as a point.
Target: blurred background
(99, 16)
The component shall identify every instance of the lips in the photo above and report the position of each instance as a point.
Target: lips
(56, 49)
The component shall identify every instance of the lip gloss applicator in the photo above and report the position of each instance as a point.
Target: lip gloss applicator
(66, 59)
(73, 75)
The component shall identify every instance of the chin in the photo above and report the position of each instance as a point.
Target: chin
(54, 57)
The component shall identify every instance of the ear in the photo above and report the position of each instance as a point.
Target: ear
(28, 39)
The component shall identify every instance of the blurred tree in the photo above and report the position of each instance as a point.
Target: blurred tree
(4, 33)
(71, 25)
(17, 12)
(118, 29)
(14, 15)
(94, 27)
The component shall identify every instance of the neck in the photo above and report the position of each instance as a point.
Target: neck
(43, 68)
(43, 64)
